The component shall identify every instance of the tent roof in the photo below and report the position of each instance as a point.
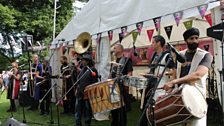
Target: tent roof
(103, 15)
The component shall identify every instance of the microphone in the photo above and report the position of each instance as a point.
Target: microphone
(135, 51)
(179, 56)
(92, 72)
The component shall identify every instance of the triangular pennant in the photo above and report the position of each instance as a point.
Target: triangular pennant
(121, 37)
(139, 26)
(134, 36)
(168, 30)
(202, 9)
(98, 39)
(157, 22)
(110, 35)
(124, 30)
(208, 17)
(178, 16)
(188, 24)
(150, 33)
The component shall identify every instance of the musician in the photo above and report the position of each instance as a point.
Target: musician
(194, 71)
(119, 116)
(45, 86)
(13, 87)
(66, 72)
(36, 76)
(5, 78)
(1, 81)
(158, 62)
(157, 65)
(88, 75)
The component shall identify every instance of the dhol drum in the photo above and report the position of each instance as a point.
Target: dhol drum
(137, 82)
(179, 106)
(103, 96)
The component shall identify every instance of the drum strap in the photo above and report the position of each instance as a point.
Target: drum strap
(154, 64)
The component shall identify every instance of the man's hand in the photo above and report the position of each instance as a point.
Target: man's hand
(168, 86)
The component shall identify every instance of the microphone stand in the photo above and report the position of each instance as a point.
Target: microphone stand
(62, 97)
(150, 100)
(24, 116)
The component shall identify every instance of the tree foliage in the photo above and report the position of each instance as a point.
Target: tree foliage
(34, 17)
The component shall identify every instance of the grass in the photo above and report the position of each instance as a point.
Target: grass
(33, 118)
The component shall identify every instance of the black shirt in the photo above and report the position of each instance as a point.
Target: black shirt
(86, 78)
(124, 70)
(206, 61)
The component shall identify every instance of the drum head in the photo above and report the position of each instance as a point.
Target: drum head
(194, 101)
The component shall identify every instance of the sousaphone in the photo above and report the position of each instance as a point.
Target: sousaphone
(82, 43)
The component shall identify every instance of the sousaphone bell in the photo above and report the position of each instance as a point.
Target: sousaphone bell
(83, 43)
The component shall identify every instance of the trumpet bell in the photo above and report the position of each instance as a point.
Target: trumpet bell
(82, 43)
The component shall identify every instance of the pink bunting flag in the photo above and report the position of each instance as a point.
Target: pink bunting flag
(208, 17)
(202, 9)
(150, 34)
(139, 26)
(110, 35)
(178, 16)
(157, 22)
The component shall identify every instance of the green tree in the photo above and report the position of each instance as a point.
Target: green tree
(34, 17)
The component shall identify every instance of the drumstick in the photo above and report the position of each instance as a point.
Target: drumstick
(161, 88)
(142, 98)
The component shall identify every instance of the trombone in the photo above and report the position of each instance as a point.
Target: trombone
(31, 83)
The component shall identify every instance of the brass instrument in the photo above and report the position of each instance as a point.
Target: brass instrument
(64, 84)
(32, 82)
(83, 43)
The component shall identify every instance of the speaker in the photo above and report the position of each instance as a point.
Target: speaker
(14, 122)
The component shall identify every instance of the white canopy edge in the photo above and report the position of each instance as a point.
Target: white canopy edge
(103, 15)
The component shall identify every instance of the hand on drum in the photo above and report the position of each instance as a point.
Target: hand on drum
(168, 86)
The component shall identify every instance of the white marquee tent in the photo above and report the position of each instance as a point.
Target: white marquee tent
(100, 16)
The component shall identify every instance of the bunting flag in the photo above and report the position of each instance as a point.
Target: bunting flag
(188, 24)
(178, 16)
(150, 34)
(121, 37)
(110, 35)
(209, 19)
(124, 30)
(134, 36)
(98, 39)
(157, 22)
(168, 30)
(202, 9)
(139, 26)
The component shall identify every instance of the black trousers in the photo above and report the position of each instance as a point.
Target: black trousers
(45, 104)
(12, 104)
(119, 117)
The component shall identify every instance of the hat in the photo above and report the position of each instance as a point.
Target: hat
(192, 31)
(87, 57)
